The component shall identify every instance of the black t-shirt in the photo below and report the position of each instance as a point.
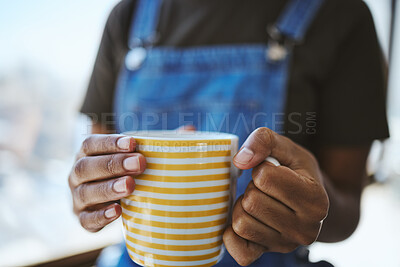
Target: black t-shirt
(336, 86)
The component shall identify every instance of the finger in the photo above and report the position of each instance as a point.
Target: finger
(264, 142)
(247, 227)
(268, 210)
(297, 192)
(93, 193)
(94, 168)
(186, 128)
(94, 221)
(101, 144)
(278, 216)
(243, 251)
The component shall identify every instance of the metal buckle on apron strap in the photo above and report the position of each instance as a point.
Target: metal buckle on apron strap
(135, 58)
(138, 51)
(279, 45)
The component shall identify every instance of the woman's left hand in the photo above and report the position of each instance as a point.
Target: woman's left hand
(283, 206)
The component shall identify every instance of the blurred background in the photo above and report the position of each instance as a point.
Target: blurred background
(47, 51)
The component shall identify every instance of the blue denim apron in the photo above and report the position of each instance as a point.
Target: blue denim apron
(228, 88)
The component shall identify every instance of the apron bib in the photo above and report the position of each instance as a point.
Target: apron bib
(226, 88)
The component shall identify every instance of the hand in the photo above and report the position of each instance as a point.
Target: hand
(283, 206)
(102, 175)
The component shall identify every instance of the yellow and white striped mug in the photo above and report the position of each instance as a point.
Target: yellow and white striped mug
(182, 202)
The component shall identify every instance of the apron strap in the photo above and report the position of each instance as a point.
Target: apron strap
(143, 31)
(296, 18)
(293, 23)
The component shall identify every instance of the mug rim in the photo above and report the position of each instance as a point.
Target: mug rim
(175, 135)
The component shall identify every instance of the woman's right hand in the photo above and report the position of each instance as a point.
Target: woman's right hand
(103, 174)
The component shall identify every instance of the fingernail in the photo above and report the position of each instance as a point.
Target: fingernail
(124, 143)
(131, 164)
(119, 186)
(244, 156)
(110, 213)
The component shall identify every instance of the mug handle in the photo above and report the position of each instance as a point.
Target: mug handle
(273, 161)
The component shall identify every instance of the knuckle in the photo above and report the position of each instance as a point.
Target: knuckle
(71, 182)
(250, 253)
(245, 260)
(291, 228)
(321, 214)
(79, 168)
(320, 211)
(306, 238)
(249, 201)
(239, 225)
(83, 220)
(90, 221)
(86, 145)
(310, 156)
(98, 221)
(265, 135)
(324, 206)
(81, 195)
(105, 191)
(301, 232)
(112, 165)
(75, 209)
(109, 141)
(261, 179)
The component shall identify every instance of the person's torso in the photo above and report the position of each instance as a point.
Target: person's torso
(232, 88)
(202, 23)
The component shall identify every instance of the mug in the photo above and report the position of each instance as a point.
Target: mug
(183, 201)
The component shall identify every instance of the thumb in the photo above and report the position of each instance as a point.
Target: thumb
(263, 143)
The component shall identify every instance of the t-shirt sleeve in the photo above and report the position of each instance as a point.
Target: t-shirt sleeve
(352, 106)
(98, 102)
